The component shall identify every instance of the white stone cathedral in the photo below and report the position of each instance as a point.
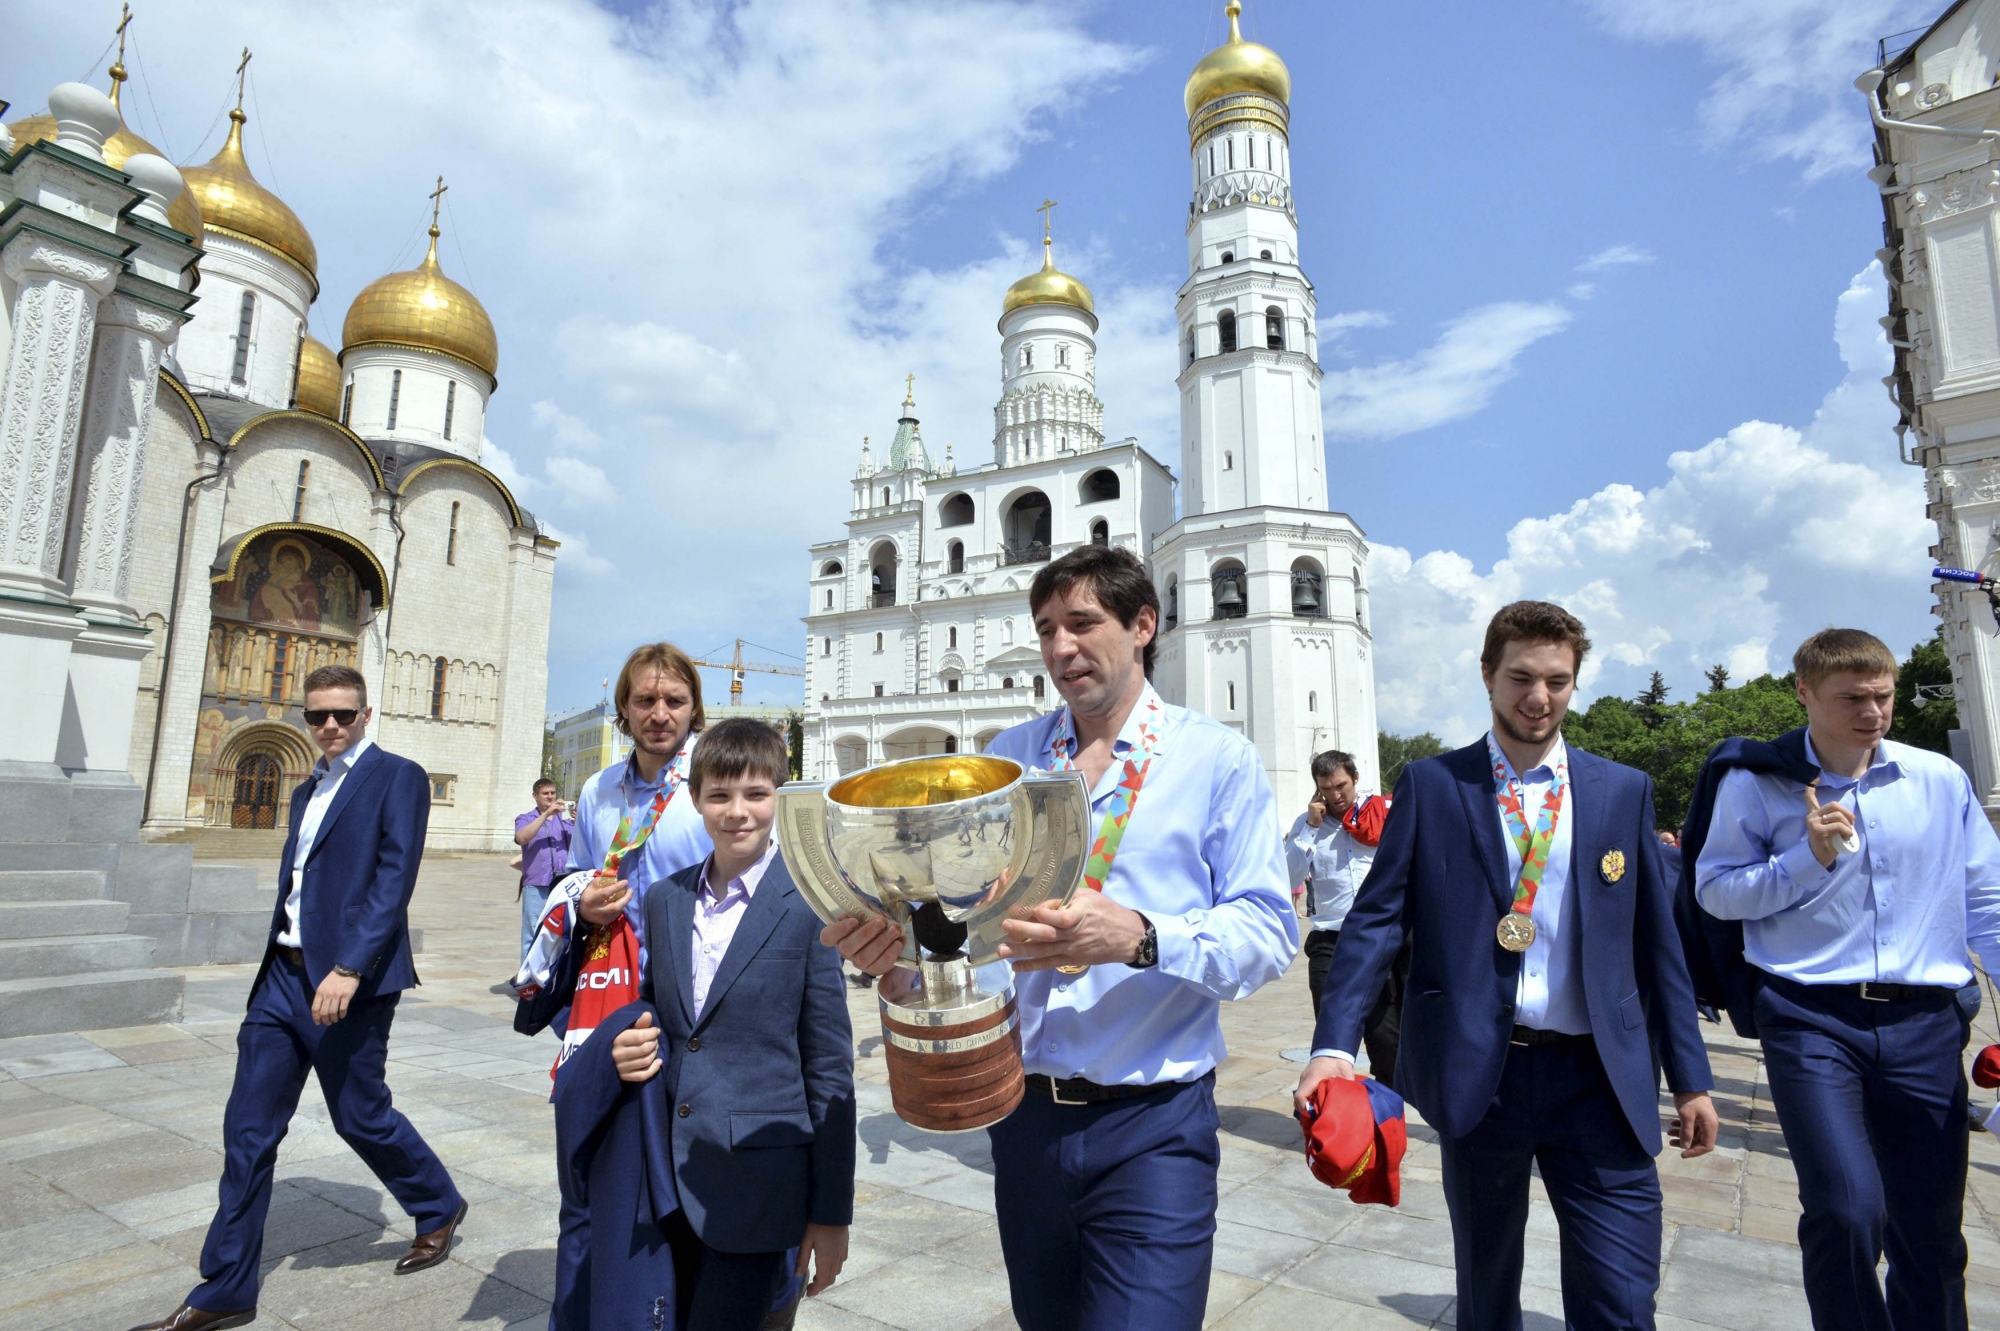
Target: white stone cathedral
(919, 636)
(202, 503)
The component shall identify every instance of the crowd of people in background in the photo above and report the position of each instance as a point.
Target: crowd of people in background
(1509, 941)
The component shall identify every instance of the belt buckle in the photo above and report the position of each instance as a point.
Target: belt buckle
(1055, 1093)
(1867, 986)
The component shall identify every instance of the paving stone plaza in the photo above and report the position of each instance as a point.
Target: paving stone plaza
(110, 1151)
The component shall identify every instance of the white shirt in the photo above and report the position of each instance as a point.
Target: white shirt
(329, 773)
(1334, 860)
(1200, 859)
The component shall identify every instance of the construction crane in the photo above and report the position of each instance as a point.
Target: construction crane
(736, 665)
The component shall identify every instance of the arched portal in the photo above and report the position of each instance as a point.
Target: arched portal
(255, 801)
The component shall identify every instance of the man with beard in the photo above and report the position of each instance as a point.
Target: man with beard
(1104, 1179)
(1545, 973)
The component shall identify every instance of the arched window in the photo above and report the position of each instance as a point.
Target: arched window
(1312, 702)
(395, 395)
(951, 637)
(299, 495)
(1101, 485)
(346, 401)
(1274, 328)
(1263, 254)
(826, 646)
(239, 370)
(1038, 686)
(1308, 590)
(1230, 587)
(832, 568)
(829, 598)
(1229, 459)
(1028, 356)
(1173, 603)
(1007, 633)
(1187, 341)
(1026, 529)
(1229, 256)
(450, 401)
(1225, 330)
(1007, 682)
(955, 511)
(437, 689)
(1062, 355)
(1100, 532)
(451, 537)
(882, 575)
(885, 496)
(878, 642)
(954, 557)
(1232, 696)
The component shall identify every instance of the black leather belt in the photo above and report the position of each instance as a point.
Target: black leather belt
(1077, 1091)
(1529, 1037)
(1879, 991)
(295, 955)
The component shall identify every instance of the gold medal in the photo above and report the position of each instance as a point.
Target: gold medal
(1516, 931)
(1072, 970)
(1612, 866)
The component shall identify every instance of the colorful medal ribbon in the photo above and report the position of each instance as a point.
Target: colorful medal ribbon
(626, 840)
(1533, 845)
(1062, 758)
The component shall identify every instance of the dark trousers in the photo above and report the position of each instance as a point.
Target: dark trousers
(720, 1291)
(1554, 1111)
(1870, 1094)
(1381, 1034)
(276, 1046)
(1107, 1211)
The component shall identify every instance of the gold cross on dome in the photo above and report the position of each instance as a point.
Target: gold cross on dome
(437, 200)
(241, 66)
(1048, 206)
(117, 70)
(909, 388)
(124, 22)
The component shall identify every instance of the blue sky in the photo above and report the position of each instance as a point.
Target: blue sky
(714, 240)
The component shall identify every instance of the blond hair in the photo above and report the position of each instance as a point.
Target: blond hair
(663, 656)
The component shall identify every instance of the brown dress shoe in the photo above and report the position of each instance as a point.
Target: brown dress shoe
(190, 1318)
(429, 1249)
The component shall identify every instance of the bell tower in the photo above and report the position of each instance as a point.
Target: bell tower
(1266, 608)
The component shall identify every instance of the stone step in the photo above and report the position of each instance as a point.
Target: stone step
(51, 885)
(37, 958)
(61, 919)
(229, 887)
(95, 1002)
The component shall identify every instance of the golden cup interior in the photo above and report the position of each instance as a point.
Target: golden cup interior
(917, 782)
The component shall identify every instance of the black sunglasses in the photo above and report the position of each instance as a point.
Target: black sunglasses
(317, 716)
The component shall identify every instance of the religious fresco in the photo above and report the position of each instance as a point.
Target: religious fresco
(290, 581)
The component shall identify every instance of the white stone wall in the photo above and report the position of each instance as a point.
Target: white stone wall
(207, 348)
(370, 372)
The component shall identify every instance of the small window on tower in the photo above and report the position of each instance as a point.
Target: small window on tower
(826, 646)
(878, 642)
(1228, 460)
(951, 638)
(829, 598)
(1229, 256)
(1312, 702)
(1232, 697)
(878, 690)
(239, 372)
(1263, 254)
(1028, 357)
(1062, 356)
(885, 496)
(395, 395)
(347, 402)
(1225, 330)
(450, 401)
(951, 686)
(1038, 686)
(451, 538)
(299, 495)
(437, 689)
(1274, 328)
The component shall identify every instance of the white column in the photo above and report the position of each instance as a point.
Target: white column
(41, 408)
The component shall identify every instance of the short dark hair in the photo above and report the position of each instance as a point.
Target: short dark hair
(337, 677)
(1115, 577)
(662, 656)
(1325, 764)
(1838, 651)
(1532, 621)
(548, 781)
(737, 747)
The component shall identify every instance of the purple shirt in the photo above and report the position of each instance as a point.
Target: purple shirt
(545, 858)
(716, 915)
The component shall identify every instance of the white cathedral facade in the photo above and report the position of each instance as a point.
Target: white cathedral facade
(918, 633)
(202, 503)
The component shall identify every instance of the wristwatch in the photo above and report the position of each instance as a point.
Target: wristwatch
(349, 973)
(1149, 948)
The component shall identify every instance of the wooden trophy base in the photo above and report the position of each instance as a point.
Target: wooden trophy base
(954, 1057)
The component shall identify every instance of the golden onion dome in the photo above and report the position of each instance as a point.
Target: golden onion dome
(184, 214)
(1049, 286)
(1238, 66)
(233, 204)
(422, 308)
(319, 378)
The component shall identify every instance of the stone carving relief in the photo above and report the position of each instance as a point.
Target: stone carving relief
(47, 368)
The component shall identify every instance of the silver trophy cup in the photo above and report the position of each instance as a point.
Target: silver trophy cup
(945, 848)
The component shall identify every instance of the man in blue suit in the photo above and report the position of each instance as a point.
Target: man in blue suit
(322, 1002)
(1545, 980)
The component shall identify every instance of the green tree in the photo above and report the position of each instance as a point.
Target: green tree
(1653, 700)
(1927, 725)
(795, 740)
(1718, 677)
(1395, 752)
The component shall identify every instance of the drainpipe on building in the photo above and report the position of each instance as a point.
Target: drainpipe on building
(173, 624)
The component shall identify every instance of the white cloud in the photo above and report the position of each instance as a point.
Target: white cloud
(1616, 256)
(1582, 291)
(1785, 90)
(1447, 381)
(1751, 542)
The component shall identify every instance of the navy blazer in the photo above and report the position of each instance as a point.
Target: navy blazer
(1440, 876)
(763, 1083)
(354, 906)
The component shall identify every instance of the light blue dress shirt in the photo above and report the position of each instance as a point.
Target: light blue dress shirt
(1335, 861)
(1201, 859)
(679, 838)
(1903, 909)
(1549, 994)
